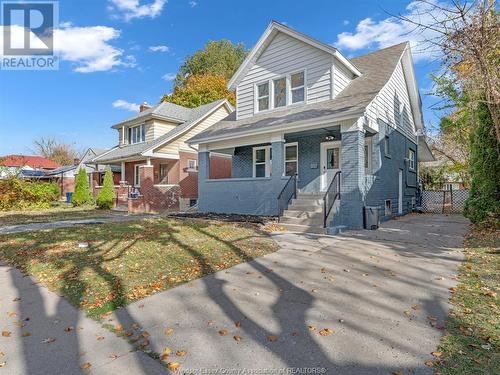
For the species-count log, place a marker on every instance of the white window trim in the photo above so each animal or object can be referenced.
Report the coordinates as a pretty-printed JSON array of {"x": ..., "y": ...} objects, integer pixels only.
[
  {"x": 195, "y": 169},
  {"x": 270, "y": 82},
  {"x": 137, "y": 175},
  {"x": 368, "y": 142},
  {"x": 142, "y": 133},
  {"x": 296, "y": 144},
  {"x": 411, "y": 161},
  {"x": 267, "y": 161}
]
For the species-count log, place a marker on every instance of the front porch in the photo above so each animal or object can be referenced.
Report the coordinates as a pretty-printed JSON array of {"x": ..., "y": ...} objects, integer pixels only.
[{"x": 327, "y": 166}]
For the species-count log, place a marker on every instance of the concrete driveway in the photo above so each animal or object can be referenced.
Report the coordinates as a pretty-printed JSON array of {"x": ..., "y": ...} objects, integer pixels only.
[
  {"x": 384, "y": 294},
  {"x": 379, "y": 297}
]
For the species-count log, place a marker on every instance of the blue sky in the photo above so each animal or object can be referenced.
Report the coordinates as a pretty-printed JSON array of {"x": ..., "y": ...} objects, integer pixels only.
[{"x": 108, "y": 66}]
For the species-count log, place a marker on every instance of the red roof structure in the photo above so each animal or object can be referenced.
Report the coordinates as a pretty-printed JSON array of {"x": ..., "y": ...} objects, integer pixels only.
[{"x": 35, "y": 162}]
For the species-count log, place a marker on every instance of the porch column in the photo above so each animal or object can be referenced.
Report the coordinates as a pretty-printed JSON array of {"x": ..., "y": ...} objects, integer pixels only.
[
  {"x": 352, "y": 178},
  {"x": 278, "y": 147},
  {"x": 203, "y": 176},
  {"x": 122, "y": 172}
]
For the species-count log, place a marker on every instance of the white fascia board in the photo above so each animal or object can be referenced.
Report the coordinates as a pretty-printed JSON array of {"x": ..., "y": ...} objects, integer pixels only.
[
  {"x": 413, "y": 92},
  {"x": 161, "y": 155}
]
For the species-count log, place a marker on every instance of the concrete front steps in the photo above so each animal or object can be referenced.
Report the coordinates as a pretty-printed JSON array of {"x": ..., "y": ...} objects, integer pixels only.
[{"x": 304, "y": 214}]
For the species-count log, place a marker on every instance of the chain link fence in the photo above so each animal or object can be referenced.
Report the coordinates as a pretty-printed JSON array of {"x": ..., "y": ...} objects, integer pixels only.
[{"x": 444, "y": 201}]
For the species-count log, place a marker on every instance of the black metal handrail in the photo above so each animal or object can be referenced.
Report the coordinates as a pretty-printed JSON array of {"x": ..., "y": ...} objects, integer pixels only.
[
  {"x": 288, "y": 192},
  {"x": 331, "y": 195}
]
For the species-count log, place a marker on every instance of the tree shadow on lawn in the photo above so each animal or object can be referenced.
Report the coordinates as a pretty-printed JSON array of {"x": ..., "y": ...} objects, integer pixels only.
[{"x": 64, "y": 355}]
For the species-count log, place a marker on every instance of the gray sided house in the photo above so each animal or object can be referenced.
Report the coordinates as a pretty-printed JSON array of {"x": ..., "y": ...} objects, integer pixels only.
[{"x": 316, "y": 137}]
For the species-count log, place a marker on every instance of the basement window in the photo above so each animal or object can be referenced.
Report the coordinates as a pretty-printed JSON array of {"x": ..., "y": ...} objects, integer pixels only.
[{"x": 388, "y": 207}]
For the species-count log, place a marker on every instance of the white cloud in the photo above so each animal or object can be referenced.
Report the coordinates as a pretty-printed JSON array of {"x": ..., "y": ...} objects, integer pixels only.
[
  {"x": 123, "y": 104},
  {"x": 130, "y": 9},
  {"x": 88, "y": 47},
  {"x": 168, "y": 77},
  {"x": 159, "y": 49},
  {"x": 392, "y": 30},
  {"x": 345, "y": 22},
  {"x": 193, "y": 3}
]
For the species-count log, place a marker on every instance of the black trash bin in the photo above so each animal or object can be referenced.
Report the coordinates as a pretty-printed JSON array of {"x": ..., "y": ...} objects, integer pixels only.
[{"x": 371, "y": 217}]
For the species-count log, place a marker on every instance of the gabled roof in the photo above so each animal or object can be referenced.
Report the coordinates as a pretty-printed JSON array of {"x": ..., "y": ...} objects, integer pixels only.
[
  {"x": 271, "y": 31},
  {"x": 376, "y": 67},
  {"x": 32, "y": 161},
  {"x": 192, "y": 117},
  {"x": 164, "y": 111}
]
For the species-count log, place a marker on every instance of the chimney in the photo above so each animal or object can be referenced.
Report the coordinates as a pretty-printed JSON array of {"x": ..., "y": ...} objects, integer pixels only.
[
  {"x": 144, "y": 106},
  {"x": 76, "y": 161}
]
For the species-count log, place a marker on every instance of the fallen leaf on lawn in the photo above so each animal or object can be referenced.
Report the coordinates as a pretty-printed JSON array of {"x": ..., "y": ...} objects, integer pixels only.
[
  {"x": 314, "y": 290},
  {"x": 2, "y": 354},
  {"x": 326, "y": 332},
  {"x": 416, "y": 307},
  {"x": 311, "y": 328},
  {"x": 477, "y": 361},
  {"x": 166, "y": 352},
  {"x": 237, "y": 324},
  {"x": 210, "y": 322},
  {"x": 2, "y": 364},
  {"x": 48, "y": 340},
  {"x": 272, "y": 338},
  {"x": 129, "y": 333},
  {"x": 113, "y": 356},
  {"x": 408, "y": 312},
  {"x": 223, "y": 332},
  {"x": 135, "y": 326},
  {"x": 437, "y": 354},
  {"x": 100, "y": 338},
  {"x": 26, "y": 334},
  {"x": 145, "y": 334},
  {"x": 69, "y": 329},
  {"x": 169, "y": 331},
  {"x": 429, "y": 364},
  {"x": 11, "y": 314},
  {"x": 237, "y": 338},
  {"x": 119, "y": 328},
  {"x": 453, "y": 290},
  {"x": 6, "y": 333},
  {"x": 173, "y": 365},
  {"x": 86, "y": 365},
  {"x": 181, "y": 353}
]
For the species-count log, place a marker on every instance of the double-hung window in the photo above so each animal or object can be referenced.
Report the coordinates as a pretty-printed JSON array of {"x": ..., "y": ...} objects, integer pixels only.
[
  {"x": 411, "y": 160},
  {"x": 136, "y": 134},
  {"x": 262, "y": 159},
  {"x": 164, "y": 173},
  {"x": 297, "y": 87},
  {"x": 192, "y": 165},
  {"x": 291, "y": 159},
  {"x": 137, "y": 175},
  {"x": 263, "y": 96},
  {"x": 279, "y": 86}
]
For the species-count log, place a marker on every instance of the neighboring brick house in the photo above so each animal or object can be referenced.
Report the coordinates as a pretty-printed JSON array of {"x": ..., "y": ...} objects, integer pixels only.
[
  {"x": 336, "y": 134},
  {"x": 25, "y": 166},
  {"x": 156, "y": 162}
]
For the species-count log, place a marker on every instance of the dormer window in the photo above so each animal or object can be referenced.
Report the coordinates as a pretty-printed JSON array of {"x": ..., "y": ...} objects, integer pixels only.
[
  {"x": 136, "y": 134},
  {"x": 280, "y": 92},
  {"x": 263, "y": 96}
]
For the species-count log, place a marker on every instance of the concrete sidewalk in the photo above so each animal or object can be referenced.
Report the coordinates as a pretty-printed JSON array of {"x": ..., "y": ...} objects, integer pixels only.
[{"x": 384, "y": 294}]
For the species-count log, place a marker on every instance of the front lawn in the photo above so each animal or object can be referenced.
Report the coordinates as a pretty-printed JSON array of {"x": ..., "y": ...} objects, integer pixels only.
[
  {"x": 128, "y": 261},
  {"x": 471, "y": 343},
  {"x": 61, "y": 211}
]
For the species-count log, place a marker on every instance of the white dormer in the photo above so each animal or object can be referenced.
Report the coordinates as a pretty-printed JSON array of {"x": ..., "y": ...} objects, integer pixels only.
[{"x": 287, "y": 68}]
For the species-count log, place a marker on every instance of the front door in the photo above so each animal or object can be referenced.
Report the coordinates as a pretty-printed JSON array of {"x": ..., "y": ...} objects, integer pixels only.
[{"x": 330, "y": 162}]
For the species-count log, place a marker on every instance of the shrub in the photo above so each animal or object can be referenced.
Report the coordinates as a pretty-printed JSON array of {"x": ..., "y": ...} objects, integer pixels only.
[
  {"x": 17, "y": 194},
  {"x": 106, "y": 194},
  {"x": 82, "y": 195},
  {"x": 484, "y": 198}
]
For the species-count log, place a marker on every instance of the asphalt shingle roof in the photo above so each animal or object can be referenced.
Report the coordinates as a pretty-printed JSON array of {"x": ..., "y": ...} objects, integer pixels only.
[
  {"x": 376, "y": 67},
  {"x": 189, "y": 117}
]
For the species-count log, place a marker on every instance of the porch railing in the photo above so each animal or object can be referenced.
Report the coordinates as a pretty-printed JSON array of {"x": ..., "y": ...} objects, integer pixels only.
[
  {"x": 331, "y": 195},
  {"x": 288, "y": 192}
]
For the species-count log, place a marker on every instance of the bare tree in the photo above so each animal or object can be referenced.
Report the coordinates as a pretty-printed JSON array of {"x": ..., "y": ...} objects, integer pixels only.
[
  {"x": 467, "y": 33},
  {"x": 50, "y": 148}
]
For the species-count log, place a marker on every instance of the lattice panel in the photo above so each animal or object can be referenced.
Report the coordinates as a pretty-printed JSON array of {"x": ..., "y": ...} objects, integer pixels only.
[{"x": 444, "y": 201}]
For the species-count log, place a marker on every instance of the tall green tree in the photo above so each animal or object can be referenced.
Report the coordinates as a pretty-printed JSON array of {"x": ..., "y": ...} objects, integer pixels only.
[
  {"x": 106, "y": 195},
  {"x": 82, "y": 195},
  {"x": 218, "y": 58},
  {"x": 484, "y": 197}
]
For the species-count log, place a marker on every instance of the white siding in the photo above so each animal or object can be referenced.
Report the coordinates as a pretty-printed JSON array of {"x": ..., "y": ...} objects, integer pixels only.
[
  {"x": 286, "y": 55},
  {"x": 385, "y": 105},
  {"x": 341, "y": 77}
]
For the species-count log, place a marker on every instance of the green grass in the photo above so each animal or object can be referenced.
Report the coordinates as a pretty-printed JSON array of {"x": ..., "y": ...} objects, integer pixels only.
[
  {"x": 60, "y": 211},
  {"x": 471, "y": 343},
  {"x": 129, "y": 261}
]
